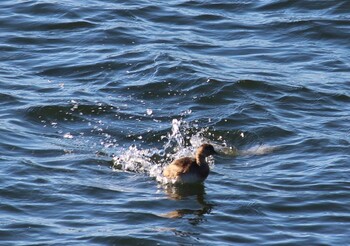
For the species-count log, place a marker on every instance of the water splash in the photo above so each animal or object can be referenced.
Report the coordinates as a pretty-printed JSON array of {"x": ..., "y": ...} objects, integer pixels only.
[{"x": 183, "y": 140}]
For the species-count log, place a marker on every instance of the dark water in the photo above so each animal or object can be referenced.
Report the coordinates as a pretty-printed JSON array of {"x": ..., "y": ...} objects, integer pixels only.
[{"x": 141, "y": 82}]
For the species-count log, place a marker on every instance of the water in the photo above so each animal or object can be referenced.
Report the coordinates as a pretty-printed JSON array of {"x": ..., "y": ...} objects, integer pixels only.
[{"x": 97, "y": 96}]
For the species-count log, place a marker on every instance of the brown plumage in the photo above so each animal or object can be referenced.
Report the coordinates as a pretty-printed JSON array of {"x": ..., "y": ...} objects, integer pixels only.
[{"x": 189, "y": 169}]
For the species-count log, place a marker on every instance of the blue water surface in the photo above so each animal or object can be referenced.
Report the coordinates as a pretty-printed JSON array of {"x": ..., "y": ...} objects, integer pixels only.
[{"x": 98, "y": 96}]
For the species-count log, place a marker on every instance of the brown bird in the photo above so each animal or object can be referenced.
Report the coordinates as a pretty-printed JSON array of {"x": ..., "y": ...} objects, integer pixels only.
[{"x": 189, "y": 169}]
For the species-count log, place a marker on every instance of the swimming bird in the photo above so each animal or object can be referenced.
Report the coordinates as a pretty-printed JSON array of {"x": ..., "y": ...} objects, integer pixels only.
[{"x": 189, "y": 169}]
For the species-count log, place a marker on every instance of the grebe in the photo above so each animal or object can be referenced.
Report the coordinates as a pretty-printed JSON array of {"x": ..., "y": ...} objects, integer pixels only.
[{"x": 189, "y": 169}]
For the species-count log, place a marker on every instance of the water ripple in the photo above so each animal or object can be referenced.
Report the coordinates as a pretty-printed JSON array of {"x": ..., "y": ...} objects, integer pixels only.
[{"x": 97, "y": 98}]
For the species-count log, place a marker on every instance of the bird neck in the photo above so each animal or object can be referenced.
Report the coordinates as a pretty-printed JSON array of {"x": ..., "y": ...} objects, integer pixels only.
[{"x": 200, "y": 159}]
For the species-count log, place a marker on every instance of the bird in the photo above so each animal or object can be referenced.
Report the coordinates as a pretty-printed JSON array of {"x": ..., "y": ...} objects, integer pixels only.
[{"x": 189, "y": 169}]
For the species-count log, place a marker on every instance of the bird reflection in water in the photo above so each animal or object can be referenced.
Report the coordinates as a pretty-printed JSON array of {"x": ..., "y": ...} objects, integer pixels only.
[{"x": 185, "y": 192}]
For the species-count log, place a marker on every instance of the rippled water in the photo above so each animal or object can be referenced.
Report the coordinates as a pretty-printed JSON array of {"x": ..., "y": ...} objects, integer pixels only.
[{"x": 98, "y": 96}]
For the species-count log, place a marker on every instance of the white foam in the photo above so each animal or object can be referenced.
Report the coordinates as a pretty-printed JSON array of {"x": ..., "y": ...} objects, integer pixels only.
[
  {"x": 152, "y": 161},
  {"x": 180, "y": 142},
  {"x": 262, "y": 149}
]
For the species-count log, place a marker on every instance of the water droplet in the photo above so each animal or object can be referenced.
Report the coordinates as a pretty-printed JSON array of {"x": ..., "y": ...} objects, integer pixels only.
[{"x": 68, "y": 135}]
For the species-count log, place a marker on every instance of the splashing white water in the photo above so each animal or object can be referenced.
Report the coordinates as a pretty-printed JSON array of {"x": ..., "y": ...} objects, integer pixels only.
[
  {"x": 180, "y": 142},
  {"x": 152, "y": 161}
]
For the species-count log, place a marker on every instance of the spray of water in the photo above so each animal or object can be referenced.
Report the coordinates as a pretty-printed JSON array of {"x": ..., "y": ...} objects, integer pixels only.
[
  {"x": 181, "y": 141},
  {"x": 152, "y": 161}
]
